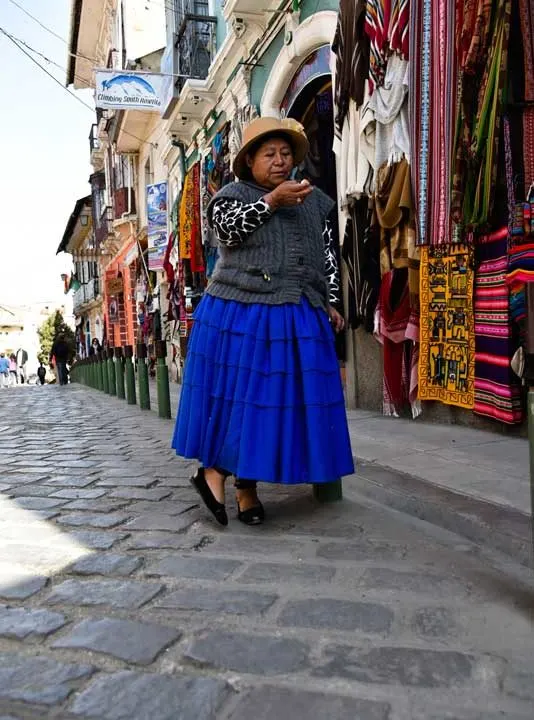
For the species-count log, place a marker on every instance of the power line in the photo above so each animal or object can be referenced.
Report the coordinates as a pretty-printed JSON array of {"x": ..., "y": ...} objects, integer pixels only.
[
  {"x": 49, "y": 30},
  {"x": 15, "y": 43},
  {"x": 40, "y": 54},
  {"x": 89, "y": 107}
]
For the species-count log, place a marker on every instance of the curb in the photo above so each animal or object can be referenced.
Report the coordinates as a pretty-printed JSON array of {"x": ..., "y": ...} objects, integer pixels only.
[{"x": 498, "y": 527}]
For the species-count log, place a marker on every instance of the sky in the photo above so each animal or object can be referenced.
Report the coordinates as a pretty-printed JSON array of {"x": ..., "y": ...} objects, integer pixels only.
[{"x": 44, "y": 154}]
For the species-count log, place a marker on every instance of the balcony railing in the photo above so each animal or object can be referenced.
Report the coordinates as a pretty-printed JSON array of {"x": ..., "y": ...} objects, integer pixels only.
[
  {"x": 104, "y": 226},
  {"x": 195, "y": 42},
  {"x": 88, "y": 292}
]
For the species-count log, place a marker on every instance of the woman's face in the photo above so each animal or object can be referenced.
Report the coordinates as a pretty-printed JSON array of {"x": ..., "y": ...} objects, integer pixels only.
[{"x": 272, "y": 163}]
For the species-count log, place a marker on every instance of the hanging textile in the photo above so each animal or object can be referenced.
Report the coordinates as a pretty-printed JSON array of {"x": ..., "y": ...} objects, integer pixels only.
[
  {"x": 476, "y": 154},
  {"x": 497, "y": 388},
  {"x": 390, "y": 106},
  {"x": 447, "y": 359},
  {"x": 526, "y": 14},
  {"x": 376, "y": 27},
  {"x": 520, "y": 224},
  {"x": 394, "y": 215},
  {"x": 433, "y": 69},
  {"x": 398, "y": 29},
  {"x": 397, "y": 330},
  {"x": 351, "y": 48},
  {"x": 361, "y": 253},
  {"x": 187, "y": 216},
  {"x": 197, "y": 256}
]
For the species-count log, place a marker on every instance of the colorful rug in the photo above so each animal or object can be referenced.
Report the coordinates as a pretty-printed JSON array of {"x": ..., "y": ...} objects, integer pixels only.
[
  {"x": 447, "y": 339},
  {"x": 497, "y": 389}
]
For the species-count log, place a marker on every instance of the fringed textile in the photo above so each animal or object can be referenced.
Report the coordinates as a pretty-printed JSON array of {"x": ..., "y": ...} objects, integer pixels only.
[{"x": 447, "y": 357}]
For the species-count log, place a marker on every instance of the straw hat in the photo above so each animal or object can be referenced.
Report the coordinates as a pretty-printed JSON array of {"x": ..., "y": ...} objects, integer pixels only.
[{"x": 263, "y": 127}]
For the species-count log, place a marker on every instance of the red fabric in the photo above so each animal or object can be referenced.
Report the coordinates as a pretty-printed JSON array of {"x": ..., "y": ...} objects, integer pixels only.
[{"x": 393, "y": 324}]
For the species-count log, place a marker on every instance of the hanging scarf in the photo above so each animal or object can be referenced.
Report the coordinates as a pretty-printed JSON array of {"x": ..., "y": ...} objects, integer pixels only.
[
  {"x": 433, "y": 72},
  {"x": 398, "y": 30},
  {"x": 476, "y": 154},
  {"x": 377, "y": 27},
  {"x": 187, "y": 212},
  {"x": 351, "y": 48},
  {"x": 197, "y": 257},
  {"x": 397, "y": 331}
]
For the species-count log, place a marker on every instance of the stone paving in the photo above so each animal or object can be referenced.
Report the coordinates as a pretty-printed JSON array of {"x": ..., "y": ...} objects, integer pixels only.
[{"x": 121, "y": 600}]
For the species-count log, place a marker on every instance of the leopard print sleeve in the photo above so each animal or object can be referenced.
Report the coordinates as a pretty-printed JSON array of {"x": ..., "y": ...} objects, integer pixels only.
[
  {"x": 233, "y": 221},
  {"x": 331, "y": 266}
]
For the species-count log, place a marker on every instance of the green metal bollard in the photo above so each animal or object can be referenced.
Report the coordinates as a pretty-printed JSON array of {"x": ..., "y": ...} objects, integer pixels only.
[
  {"x": 111, "y": 372},
  {"x": 162, "y": 380},
  {"x": 119, "y": 373},
  {"x": 328, "y": 492},
  {"x": 142, "y": 375},
  {"x": 94, "y": 379},
  {"x": 105, "y": 377},
  {"x": 99, "y": 373},
  {"x": 129, "y": 375}
]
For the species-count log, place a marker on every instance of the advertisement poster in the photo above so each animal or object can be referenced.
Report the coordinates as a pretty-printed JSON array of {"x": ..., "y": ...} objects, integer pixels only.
[
  {"x": 122, "y": 90},
  {"x": 156, "y": 199}
]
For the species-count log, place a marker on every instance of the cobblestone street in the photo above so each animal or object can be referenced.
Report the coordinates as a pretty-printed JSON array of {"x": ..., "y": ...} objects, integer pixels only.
[{"x": 121, "y": 600}]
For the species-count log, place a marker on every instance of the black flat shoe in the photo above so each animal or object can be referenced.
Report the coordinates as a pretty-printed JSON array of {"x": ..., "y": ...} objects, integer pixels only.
[
  {"x": 253, "y": 516},
  {"x": 198, "y": 481}
]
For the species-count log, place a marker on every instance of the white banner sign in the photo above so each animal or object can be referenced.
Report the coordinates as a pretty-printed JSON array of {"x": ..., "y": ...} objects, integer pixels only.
[{"x": 124, "y": 90}]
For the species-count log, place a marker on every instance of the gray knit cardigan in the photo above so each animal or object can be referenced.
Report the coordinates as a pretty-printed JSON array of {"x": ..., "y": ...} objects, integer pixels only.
[{"x": 279, "y": 262}]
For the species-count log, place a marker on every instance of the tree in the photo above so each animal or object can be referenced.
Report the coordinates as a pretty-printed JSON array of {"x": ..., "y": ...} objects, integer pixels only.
[{"x": 52, "y": 327}]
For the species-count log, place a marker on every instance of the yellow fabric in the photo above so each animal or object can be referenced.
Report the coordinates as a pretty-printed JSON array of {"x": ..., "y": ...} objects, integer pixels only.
[
  {"x": 187, "y": 216},
  {"x": 447, "y": 333}
]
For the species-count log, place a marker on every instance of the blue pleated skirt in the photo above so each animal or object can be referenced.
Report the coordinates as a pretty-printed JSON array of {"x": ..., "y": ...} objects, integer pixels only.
[{"x": 262, "y": 395}]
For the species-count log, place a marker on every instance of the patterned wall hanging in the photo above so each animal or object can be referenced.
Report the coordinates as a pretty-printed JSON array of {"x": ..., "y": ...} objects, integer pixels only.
[
  {"x": 447, "y": 357},
  {"x": 497, "y": 388}
]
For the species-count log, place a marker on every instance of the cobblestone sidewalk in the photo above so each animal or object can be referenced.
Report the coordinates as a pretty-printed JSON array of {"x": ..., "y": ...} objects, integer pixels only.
[{"x": 121, "y": 600}]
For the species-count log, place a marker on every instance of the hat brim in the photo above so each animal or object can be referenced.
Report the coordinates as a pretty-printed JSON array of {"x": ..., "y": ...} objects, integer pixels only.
[{"x": 298, "y": 141}]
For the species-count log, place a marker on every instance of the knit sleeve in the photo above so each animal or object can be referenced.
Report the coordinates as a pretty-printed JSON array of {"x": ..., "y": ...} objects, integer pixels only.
[
  {"x": 331, "y": 266},
  {"x": 233, "y": 220}
]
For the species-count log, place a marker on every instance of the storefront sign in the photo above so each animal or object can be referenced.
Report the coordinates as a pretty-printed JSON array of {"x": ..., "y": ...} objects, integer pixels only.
[
  {"x": 315, "y": 65},
  {"x": 114, "y": 286},
  {"x": 123, "y": 90},
  {"x": 156, "y": 200}
]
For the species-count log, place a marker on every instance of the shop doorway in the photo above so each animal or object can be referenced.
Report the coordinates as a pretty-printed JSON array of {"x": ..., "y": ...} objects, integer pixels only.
[{"x": 309, "y": 100}]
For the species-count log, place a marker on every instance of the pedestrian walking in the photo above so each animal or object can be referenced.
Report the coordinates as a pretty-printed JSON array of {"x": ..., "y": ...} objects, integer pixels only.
[
  {"x": 60, "y": 354},
  {"x": 4, "y": 371},
  {"x": 41, "y": 373},
  {"x": 13, "y": 371},
  {"x": 262, "y": 398}
]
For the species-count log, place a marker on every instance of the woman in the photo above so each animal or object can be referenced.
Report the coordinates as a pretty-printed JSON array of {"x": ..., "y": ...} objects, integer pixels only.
[
  {"x": 13, "y": 370},
  {"x": 262, "y": 397}
]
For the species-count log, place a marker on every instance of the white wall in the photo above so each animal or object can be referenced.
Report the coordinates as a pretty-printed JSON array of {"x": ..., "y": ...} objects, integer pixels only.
[{"x": 144, "y": 24}]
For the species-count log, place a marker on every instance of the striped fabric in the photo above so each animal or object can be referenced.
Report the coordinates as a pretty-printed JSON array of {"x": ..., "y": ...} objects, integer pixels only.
[
  {"x": 399, "y": 28},
  {"x": 377, "y": 27},
  {"x": 433, "y": 84},
  {"x": 497, "y": 389},
  {"x": 351, "y": 48}
]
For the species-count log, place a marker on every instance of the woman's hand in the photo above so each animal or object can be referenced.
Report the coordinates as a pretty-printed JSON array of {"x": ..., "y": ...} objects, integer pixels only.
[
  {"x": 288, "y": 194},
  {"x": 338, "y": 323}
]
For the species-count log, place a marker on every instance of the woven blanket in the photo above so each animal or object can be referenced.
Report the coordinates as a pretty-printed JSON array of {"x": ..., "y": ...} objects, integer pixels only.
[
  {"x": 497, "y": 388},
  {"x": 433, "y": 82},
  {"x": 447, "y": 339}
]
